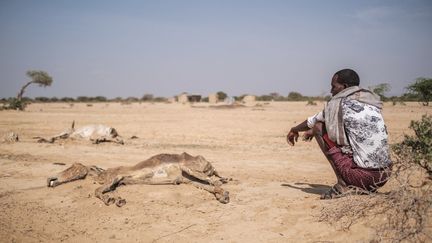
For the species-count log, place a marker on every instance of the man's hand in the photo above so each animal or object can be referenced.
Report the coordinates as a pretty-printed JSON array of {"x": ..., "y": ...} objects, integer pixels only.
[
  {"x": 292, "y": 137},
  {"x": 308, "y": 135},
  {"x": 293, "y": 134}
]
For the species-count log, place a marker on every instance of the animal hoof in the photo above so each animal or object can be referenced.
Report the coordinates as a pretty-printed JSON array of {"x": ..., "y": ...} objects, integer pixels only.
[
  {"x": 108, "y": 200},
  {"x": 177, "y": 181},
  {"x": 52, "y": 182},
  {"x": 120, "y": 202},
  {"x": 224, "y": 180},
  {"x": 224, "y": 198}
]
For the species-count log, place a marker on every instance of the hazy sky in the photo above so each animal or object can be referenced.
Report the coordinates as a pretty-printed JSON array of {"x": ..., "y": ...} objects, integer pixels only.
[{"x": 129, "y": 48}]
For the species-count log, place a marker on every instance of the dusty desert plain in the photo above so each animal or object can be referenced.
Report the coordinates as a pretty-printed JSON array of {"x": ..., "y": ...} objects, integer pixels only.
[{"x": 274, "y": 194}]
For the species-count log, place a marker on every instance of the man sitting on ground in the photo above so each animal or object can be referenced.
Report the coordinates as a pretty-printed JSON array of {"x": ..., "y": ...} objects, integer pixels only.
[{"x": 352, "y": 135}]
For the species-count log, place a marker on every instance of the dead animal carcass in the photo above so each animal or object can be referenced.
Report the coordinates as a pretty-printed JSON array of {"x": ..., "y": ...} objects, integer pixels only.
[
  {"x": 161, "y": 169},
  {"x": 94, "y": 133}
]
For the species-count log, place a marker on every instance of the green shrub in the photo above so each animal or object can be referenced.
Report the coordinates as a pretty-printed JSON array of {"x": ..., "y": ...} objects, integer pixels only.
[
  {"x": 418, "y": 146},
  {"x": 67, "y": 99},
  {"x": 42, "y": 99},
  {"x": 160, "y": 99},
  {"x": 15, "y": 104},
  {"x": 147, "y": 97},
  {"x": 311, "y": 102},
  {"x": 406, "y": 209},
  {"x": 100, "y": 99},
  {"x": 295, "y": 96},
  {"x": 221, "y": 95}
]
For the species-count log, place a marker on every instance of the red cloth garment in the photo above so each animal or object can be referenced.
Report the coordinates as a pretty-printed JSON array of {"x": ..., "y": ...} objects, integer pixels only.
[
  {"x": 367, "y": 179},
  {"x": 328, "y": 141}
]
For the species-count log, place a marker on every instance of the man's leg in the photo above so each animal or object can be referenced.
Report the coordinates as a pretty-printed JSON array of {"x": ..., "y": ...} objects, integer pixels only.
[{"x": 319, "y": 131}]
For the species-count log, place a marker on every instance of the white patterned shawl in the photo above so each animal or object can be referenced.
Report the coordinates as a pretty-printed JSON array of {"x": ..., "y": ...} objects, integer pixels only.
[{"x": 333, "y": 111}]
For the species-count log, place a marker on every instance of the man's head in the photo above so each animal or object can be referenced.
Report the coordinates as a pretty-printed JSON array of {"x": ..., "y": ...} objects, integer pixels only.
[{"x": 343, "y": 79}]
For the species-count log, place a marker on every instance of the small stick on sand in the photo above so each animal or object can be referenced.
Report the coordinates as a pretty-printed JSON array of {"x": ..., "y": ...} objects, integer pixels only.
[{"x": 173, "y": 233}]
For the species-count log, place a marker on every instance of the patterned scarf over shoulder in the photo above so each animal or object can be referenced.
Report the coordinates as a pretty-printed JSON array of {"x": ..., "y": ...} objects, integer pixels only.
[{"x": 333, "y": 111}]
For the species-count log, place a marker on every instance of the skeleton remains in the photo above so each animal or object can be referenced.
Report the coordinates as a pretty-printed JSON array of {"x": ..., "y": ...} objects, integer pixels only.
[
  {"x": 94, "y": 133},
  {"x": 161, "y": 169},
  {"x": 10, "y": 137}
]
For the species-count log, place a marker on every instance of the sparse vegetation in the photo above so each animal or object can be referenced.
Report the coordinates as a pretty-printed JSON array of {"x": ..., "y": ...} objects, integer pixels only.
[
  {"x": 221, "y": 95},
  {"x": 264, "y": 98},
  {"x": 395, "y": 100},
  {"x": 100, "y": 99},
  {"x": 37, "y": 77},
  {"x": 15, "y": 104},
  {"x": 239, "y": 98},
  {"x": 160, "y": 99},
  {"x": 82, "y": 99},
  {"x": 404, "y": 213},
  {"x": 131, "y": 99},
  {"x": 422, "y": 89},
  {"x": 311, "y": 102},
  {"x": 42, "y": 99},
  {"x": 67, "y": 99},
  {"x": 147, "y": 97},
  {"x": 295, "y": 96},
  {"x": 418, "y": 148},
  {"x": 380, "y": 90}
]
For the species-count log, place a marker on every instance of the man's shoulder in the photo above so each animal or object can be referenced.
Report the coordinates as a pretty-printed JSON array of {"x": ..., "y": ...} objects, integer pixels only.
[
  {"x": 352, "y": 107},
  {"x": 353, "y": 104}
]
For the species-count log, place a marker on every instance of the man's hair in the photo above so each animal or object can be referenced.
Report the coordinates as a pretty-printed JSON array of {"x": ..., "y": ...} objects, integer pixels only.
[{"x": 348, "y": 77}]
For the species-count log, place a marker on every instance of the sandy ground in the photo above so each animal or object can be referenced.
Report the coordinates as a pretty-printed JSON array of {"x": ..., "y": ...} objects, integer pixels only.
[{"x": 274, "y": 192}]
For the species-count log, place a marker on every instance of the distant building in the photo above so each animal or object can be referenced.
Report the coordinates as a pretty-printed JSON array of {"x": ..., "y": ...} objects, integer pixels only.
[
  {"x": 185, "y": 98},
  {"x": 194, "y": 98},
  {"x": 229, "y": 100},
  {"x": 213, "y": 98},
  {"x": 182, "y": 98},
  {"x": 249, "y": 98}
]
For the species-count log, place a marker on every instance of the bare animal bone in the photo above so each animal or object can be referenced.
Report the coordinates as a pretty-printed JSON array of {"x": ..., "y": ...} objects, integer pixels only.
[{"x": 10, "y": 137}]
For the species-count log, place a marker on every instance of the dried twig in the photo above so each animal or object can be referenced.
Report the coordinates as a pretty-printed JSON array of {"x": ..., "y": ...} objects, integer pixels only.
[
  {"x": 185, "y": 228},
  {"x": 407, "y": 207}
]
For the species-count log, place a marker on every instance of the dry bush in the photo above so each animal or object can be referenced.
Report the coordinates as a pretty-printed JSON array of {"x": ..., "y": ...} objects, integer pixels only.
[
  {"x": 15, "y": 104},
  {"x": 417, "y": 149},
  {"x": 311, "y": 102},
  {"x": 403, "y": 213}
]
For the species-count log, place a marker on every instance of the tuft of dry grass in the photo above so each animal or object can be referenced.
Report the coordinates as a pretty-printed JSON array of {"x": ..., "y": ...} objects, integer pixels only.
[
  {"x": 404, "y": 212},
  {"x": 401, "y": 214}
]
